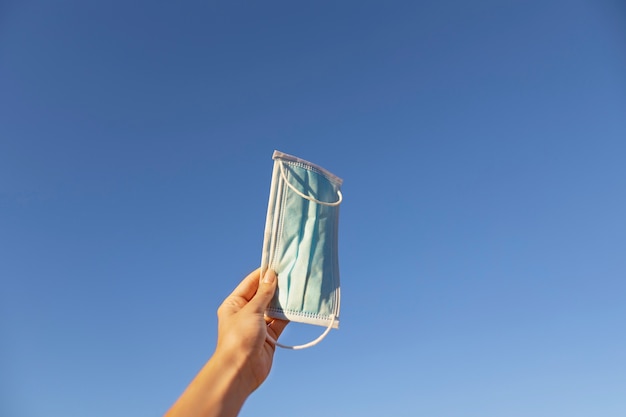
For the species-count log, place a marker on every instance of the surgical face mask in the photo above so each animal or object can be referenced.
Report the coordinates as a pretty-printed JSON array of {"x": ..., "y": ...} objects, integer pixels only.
[{"x": 300, "y": 244}]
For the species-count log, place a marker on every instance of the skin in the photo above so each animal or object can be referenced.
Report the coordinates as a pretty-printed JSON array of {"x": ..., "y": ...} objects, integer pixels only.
[{"x": 243, "y": 357}]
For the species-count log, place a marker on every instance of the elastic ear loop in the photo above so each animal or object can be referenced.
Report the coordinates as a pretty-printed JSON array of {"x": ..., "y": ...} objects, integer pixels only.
[
  {"x": 301, "y": 194},
  {"x": 333, "y": 316}
]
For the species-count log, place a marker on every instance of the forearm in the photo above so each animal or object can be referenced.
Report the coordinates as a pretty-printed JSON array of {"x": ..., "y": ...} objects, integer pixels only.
[
  {"x": 242, "y": 358},
  {"x": 216, "y": 391}
]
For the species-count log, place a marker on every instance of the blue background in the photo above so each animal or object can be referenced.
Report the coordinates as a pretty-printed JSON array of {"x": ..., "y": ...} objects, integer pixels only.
[{"x": 482, "y": 233}]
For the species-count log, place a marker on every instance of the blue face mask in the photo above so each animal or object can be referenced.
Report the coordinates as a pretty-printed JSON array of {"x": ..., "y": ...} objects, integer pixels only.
[{"x": 300, "y": 243}]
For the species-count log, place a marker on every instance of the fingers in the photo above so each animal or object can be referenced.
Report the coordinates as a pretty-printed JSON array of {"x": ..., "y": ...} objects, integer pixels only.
[
  {"x": 240, "y": 295},
  {"x": 247, "y": 288},
  {"x": 276, "y": 327},
  {"x": 264, "y": 292}
]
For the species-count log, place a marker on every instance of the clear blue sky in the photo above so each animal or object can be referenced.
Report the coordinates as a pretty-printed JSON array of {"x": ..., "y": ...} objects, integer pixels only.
[{"x": 482, "y": 234}]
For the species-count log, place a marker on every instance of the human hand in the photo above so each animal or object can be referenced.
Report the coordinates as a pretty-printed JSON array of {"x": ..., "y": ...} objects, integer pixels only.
[
  {"x": 243, "y": 357},
  {"x": 242, "y": 328}
]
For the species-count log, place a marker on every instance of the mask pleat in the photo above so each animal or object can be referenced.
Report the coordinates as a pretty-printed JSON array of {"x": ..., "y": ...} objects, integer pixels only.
[
  {"x": 314, "y": 281},
  {"x": 300, "y": 236}
]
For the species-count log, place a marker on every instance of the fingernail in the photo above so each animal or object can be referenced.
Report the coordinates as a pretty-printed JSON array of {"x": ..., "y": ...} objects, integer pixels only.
[{"x": 269, "y": 277}]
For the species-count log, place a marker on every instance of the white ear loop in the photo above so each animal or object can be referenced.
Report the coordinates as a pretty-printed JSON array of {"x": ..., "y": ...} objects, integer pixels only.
[
  {"x": 333, "y": 318},
  {"x": 301, "y": 194},
  {"x": 306, "y": 345}
]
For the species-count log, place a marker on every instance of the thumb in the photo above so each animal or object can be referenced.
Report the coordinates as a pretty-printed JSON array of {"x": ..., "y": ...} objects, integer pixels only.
[{"x": 264, "y": 293}]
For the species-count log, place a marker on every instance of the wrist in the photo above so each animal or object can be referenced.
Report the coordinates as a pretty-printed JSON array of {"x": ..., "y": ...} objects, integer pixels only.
[{"x": 230, "y": 368}]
